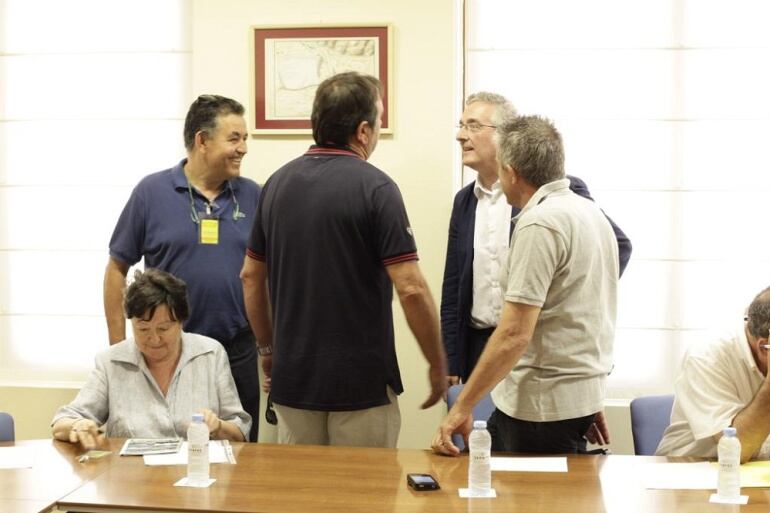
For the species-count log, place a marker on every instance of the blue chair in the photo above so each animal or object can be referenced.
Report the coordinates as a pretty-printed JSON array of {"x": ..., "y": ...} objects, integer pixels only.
[
  {"x": 7, "y": 432},
  {"x": 650, "y": 416},
  {"x": 482, "y": 411}
]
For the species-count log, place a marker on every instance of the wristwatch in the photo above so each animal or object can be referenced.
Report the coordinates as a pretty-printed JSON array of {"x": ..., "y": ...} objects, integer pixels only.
[{"x": 264, "y": 350}]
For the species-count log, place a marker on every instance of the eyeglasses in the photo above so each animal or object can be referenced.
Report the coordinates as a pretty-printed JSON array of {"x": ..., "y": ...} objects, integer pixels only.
[{"x": 473, "y": 127}]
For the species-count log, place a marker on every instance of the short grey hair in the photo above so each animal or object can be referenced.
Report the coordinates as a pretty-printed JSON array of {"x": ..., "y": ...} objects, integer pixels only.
[
  {"x": 505, "y": 112},
  {"x": 533, "y": 147},
  {"x": 758, "y": 316}
]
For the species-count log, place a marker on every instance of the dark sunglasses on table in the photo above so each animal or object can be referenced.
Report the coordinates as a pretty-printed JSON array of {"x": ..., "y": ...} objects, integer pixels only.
[{"x": 270, "y": 415}]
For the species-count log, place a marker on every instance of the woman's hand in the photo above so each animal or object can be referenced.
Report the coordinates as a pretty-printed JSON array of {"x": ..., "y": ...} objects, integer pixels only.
[
  {"x": 213, "y": 422},
  {"x": 221, "y": 429},
  {"x": 85, "y": 432}
]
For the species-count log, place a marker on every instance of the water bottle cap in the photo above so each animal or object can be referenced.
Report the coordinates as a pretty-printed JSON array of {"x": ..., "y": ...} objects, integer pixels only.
[
  {"x": 730, "y": 431},
  {"x": 479, "y": 424},
  {"x": 197, "y": 417}
]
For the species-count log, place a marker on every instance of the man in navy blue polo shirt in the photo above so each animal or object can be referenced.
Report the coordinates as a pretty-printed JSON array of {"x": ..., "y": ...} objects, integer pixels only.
[
  {"x": 193, "y": 221},
  {"x": 330, "y": 239}
]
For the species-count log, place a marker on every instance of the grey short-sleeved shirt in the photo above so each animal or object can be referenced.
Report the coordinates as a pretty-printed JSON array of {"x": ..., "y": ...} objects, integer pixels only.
[
  {"x": 563, "y": 258},
  {"x": 122, "y": 394}
]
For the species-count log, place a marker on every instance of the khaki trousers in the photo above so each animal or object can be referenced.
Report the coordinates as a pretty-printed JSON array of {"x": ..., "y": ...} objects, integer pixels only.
[{"x": 371, "y": 427}]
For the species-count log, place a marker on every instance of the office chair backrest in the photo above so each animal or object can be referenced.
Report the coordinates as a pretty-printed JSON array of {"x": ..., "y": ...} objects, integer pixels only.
[
  {"x": 7, "y": 432},
  {"x": 482, "y": 411},
  {"x": 650, "y": 416}
]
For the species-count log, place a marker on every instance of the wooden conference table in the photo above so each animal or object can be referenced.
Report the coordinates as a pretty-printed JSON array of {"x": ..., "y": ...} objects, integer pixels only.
[{"x": 273, "y": 478}]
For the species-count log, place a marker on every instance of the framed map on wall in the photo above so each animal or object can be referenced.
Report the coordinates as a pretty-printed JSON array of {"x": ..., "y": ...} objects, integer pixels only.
[{"x": 289, "y": 62}]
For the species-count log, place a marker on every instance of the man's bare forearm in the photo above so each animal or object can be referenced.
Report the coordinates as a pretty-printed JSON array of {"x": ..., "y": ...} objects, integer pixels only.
[
  {"x": 420, "y": 311},
  {"x": 503, "y": 350},
  {"x": 257, "y": 301},
  {"x": 422, "y": 317},
  {"x": 114, "y": 286},
  {"x": 753, "y": 422}
]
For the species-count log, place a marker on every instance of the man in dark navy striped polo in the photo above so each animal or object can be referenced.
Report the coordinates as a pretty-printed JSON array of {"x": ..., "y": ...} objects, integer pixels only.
[{"x": 330, "y": 238}]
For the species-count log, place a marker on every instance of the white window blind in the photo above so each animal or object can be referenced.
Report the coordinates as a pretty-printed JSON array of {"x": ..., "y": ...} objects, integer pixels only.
[
  {"x": 664, "y": 110},
  {"x": 92, "y": 97}
]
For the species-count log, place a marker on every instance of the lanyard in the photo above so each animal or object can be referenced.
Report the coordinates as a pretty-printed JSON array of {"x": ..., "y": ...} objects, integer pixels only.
[{"x": 194, "y": 213}]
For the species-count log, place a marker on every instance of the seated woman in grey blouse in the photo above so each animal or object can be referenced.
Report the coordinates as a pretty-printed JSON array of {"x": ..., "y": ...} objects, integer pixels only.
[{"x": 149, "y": 386}]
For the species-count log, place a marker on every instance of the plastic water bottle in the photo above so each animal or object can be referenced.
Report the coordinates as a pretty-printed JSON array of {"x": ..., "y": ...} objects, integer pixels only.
[
  {"x": 479, "y": 464},
  {"x": 197, "y": 450},
  {"x": 729, "y": 450}
]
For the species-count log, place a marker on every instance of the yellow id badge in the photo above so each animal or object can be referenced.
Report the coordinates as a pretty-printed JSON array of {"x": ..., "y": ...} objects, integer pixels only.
[{"x": 209, "y": 231}]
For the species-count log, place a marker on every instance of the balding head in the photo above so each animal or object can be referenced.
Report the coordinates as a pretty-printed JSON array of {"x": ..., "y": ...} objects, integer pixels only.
[{"x": 758, "y": 322}]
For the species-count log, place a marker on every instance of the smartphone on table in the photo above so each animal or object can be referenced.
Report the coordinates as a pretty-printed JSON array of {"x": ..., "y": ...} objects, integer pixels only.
[{"x": 422, "y": 482}]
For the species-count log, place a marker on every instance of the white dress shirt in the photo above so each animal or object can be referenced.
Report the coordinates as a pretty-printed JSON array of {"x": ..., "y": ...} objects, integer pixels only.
[
  {"x": 716, "y": 381},
  {"x": 490, "y": 246}
]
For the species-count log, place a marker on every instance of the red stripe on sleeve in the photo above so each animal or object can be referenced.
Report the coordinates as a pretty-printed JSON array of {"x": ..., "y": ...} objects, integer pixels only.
[
  {"x": 254, "y": 255},
  {"x": 400, "y": 258}
]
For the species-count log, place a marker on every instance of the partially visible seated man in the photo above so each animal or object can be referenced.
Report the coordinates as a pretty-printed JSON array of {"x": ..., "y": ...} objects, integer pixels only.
[
  {"x": 150, "y": 385},
  {"x": 724, "y": 383}
]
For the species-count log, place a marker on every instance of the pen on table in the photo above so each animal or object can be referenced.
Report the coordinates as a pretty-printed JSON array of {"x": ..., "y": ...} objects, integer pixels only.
[{"x": 83, "y": 458}]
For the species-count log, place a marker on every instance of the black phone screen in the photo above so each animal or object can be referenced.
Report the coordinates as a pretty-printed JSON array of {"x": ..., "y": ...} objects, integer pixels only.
[{"x": 422, "y": 482}]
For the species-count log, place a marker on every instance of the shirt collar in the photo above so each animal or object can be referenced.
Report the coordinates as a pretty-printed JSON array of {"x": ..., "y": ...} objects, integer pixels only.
[
  {"x": 316, "y": 150},
  {"x": 494, "y": 192},
  {"x": 128, "y": 352},
  {"x": 178, "y": 177},
  {"x": 179, "y": 180},
  {"x": 543, "y": 192}
]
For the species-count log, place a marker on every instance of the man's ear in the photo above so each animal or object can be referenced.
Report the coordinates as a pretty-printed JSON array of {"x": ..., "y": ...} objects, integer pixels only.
[
  {"x": 200, "y": 139},
  {"x": 362, "y": 134},
  {"x": 509, "y": 173}
]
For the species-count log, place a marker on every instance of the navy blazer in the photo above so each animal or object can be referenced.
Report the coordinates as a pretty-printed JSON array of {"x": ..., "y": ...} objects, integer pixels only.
[{"x": 457, "y": 289}]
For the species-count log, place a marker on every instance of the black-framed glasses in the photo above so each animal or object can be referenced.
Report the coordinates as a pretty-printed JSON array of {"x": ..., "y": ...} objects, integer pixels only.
[{"x": 473, "y": 126}]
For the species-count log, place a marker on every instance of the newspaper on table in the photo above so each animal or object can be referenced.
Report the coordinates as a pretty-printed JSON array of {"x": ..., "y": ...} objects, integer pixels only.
[
  {"x": 220, "y": 451},
  {"x": 142, "y": 446}
]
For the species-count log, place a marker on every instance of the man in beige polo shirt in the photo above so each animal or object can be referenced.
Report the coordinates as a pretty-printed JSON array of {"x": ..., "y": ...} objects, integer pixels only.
[{"x": 549, "y": 356}]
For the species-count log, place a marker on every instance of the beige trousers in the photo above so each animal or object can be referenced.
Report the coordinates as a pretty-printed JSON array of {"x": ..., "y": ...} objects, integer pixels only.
[{"x": 371, "y": 427}]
